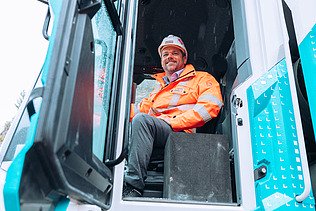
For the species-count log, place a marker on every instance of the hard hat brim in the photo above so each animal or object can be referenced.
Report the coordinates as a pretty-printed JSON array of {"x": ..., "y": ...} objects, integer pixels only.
[{"x": 172, "y": 45}]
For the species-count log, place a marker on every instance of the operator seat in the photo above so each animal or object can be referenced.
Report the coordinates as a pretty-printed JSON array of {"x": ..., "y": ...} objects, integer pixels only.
[{"x": 155, "y": 171}]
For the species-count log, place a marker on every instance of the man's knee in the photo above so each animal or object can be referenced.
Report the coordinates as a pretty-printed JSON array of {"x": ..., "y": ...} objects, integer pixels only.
[{"x": 140, "y": 119}]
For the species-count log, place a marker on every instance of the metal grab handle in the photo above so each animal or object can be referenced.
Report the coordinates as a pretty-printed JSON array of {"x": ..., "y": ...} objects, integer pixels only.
[
  {"x": 303, "y": 157},
  {"x": 301, "y": 142},
  {"x": 46, "y": 24},
  {"x": 307, "y": 179}
]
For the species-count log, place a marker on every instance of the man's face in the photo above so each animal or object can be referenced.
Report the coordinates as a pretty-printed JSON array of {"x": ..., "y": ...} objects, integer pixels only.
[{"x": 172, "y": 59}]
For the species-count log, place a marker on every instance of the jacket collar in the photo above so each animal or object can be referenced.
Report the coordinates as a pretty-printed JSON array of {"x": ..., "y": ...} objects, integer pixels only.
[{"x": 188, "y": 71}]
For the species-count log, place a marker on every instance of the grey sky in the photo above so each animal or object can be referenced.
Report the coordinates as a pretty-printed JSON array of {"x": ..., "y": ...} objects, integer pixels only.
[{"x": 23, "y": 51}]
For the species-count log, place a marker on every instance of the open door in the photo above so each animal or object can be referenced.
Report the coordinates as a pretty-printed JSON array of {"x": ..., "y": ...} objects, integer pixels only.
[{"x": 71, "y": 135}]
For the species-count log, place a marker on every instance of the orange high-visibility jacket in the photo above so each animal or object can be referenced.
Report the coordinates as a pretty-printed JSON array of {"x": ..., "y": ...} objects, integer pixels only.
[{"x": 190, "y": 101}]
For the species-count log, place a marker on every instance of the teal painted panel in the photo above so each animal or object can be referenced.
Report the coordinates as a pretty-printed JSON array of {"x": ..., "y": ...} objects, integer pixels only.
[
  {"x": 275, "y": 143},
  {"x": 62, "y": 205},
  {"x": 307, "y": 51}
]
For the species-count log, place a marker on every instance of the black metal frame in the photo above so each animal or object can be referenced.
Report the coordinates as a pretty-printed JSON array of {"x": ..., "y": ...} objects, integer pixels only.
[{"x": 61, "y": 163}]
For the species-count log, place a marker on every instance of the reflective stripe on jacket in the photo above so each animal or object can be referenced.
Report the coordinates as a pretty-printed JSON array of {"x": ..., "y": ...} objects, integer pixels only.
[{"x": 190, "y": 101}]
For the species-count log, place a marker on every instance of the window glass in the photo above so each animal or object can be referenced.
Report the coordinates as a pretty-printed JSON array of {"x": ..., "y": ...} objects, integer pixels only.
[
  {"x": 19, "y": 137},
  {"x": 144, "y": 89},
  {"x": 105, "y": 43}
]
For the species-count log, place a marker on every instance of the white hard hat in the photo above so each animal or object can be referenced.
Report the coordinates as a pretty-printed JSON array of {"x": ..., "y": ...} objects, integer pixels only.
[{"x": 175, "y": 41}]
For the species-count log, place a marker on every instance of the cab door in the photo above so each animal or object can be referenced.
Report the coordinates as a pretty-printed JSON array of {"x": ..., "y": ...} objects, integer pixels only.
[
  {"x": 303, "y": 21},
  {"x": 266, "y": 119},
  {"x": 72, "y": 133}
]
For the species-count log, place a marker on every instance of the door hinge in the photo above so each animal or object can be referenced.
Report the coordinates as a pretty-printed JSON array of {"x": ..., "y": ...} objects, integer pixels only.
[{"x": 237, "y": 102}]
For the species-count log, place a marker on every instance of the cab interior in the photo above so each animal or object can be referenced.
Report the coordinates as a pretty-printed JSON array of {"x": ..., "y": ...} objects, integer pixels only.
[{"x": 206, "y": 28}]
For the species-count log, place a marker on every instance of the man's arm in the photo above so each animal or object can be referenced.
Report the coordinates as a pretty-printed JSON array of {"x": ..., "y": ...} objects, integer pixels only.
[
  {"x": 142, "y": 107},
  {"x": 207, "y": 107}
]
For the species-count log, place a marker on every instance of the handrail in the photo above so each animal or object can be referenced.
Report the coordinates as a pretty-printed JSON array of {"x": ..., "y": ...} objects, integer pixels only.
[
  {"x": 46, "y": 24},
  {"x": 115, "y": 19},
  {"x": 301, "y": 142},
  {"x": 303, "y": 157},
  {"x": 307, "y": 179}
]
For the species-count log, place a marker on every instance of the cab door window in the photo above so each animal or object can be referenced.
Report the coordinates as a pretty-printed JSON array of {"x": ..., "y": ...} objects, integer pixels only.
[{"x": 105, "y": 44}]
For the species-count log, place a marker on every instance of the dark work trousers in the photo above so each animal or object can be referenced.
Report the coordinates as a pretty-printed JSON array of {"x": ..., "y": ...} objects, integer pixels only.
[{"x": 148, "y": 133}]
